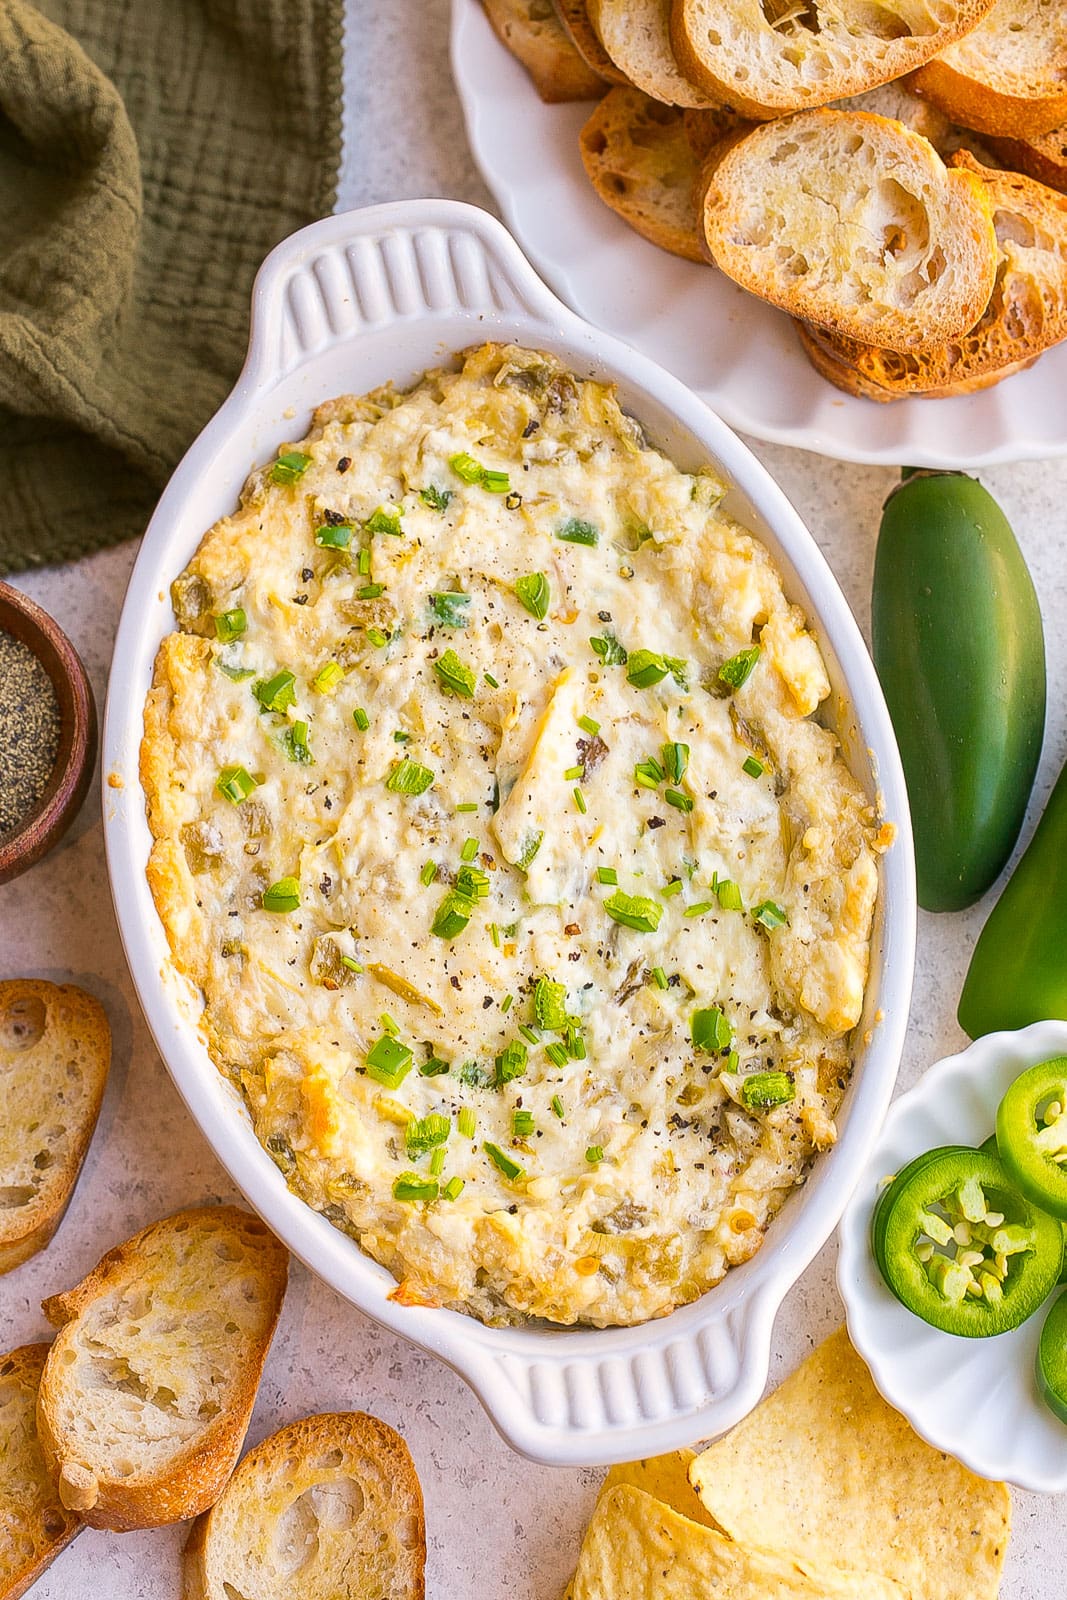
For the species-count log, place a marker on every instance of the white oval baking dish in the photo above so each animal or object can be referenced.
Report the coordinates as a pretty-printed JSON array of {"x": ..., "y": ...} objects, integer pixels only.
[{"x": 341, "y": 306}]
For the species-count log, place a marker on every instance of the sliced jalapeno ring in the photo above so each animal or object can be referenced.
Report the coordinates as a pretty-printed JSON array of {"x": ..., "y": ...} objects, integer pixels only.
[
  {"x": 1052, "y": 1359},
  {"x": 1032, "y": 1134},
  {"x": 881, "y": 1208},
  {"x": 963, "y": 1250},
  {"x": 989, "y": 1147}
]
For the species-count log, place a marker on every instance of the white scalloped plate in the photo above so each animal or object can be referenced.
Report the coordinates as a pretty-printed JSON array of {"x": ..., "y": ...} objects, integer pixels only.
[
  {"x": 346, "y": 304},
  {"x": 975, "y": 1398},
  {"x": 737, "y": 353}
]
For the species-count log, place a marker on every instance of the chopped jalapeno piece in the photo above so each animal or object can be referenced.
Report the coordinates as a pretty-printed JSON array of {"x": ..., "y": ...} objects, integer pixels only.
[
  {"x": 454, "y": 676},
  {"x": 634, "y": 911},
  {"x": 769, "y": 915},
  {"x": 229, "y": 625},
  {"x": 575, "y": 531},
  {"x": 450, "y": 609},
  {"x": 412, "y": 1187},
  {"x": 277, "y": 693},
  {"x": 235, "y": 784},
  {"x": 452, "y": 916},
  {"x": 282, "y": 896},
  {"x": 710, "y": 1029},
  {"x": 388, "y": 1061},
  {"x": 408, "y": 777},
  {"x": 385, "y": 520},
  {"x": 738, "y": 669},
  {"x": 762, "y": 1091},
  {"x": 334, "y": 535},
  {"x": 289, "y": 467},
  {"x": 534, "y": 593}
]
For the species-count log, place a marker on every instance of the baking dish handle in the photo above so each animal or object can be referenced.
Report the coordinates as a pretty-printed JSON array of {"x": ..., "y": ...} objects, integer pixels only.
[
  {"x": 363, "y": 272},
  {"x": 652, "y": 1392}
]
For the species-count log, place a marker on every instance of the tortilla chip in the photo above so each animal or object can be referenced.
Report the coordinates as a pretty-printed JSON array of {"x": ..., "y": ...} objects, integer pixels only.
[
  {"x": 825, "y": 1471},
  {"x": 665, "y": 1478},
  {"x": 636, "y": 1548}
]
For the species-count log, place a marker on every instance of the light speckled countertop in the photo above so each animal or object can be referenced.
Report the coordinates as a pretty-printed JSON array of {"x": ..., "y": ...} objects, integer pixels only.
[{"x": 497, "y": 1525}]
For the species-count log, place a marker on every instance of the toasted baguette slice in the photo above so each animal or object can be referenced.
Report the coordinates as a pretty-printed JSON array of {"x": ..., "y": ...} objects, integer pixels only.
[
  {"x": 767, "y": 57},
  {"x": 850, "y": 221},
  {"x": 640, "y": 163},
  {"x": 55, "y": 1050},
  {"x": 1009, "y": 76},
  {"x": 900, "y": 104},
  {"x": 34, "y": 1527},
  {"x": 148, "y": 1389},
  {"x": 706, "y": 130},
  {"x": 818, "y": 346},
  {"x": 1026, "y": 314},
  {"x": 533, "y": 33},
  {"x": 329, "y": 1508},
  {"x": 1043, "y": 157},
  {"x": 636, "y": 35},
  {"x": 574, "y": 15}
]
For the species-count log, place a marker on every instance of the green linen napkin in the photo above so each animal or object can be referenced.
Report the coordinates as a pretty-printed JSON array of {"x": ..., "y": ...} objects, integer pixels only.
[{"x": 151, "y": 153}]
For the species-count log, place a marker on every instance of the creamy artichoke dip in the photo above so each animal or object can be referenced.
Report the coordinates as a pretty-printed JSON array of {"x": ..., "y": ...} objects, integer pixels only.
[{"x": 529, "y": 902}]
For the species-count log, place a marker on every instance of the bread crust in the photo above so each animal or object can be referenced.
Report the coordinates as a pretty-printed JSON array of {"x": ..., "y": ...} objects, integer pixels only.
[
  {"x": 1026, "y": 315},
  {"x": 558, "y": 72},
  {"x": 344, "y": 1434},
  {"x": 857, "y": 69},
  {"x": 574, "y": 15},
  {"x": 1043, "y": 157},
  {"x": 987, "y": 110},
  {"x": 69, "y": 1025},
  {"x": 749, "y": 223},
  {"x": 193, "y": 1476},
  {"x": 49, "y": 1527}
]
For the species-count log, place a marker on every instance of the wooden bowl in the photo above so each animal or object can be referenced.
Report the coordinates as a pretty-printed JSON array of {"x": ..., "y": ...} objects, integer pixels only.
[{"x": 67, "y": 787}]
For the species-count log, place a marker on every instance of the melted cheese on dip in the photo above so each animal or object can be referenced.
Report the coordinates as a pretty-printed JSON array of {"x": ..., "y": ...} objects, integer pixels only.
[{"x": 595, "y": 1164}]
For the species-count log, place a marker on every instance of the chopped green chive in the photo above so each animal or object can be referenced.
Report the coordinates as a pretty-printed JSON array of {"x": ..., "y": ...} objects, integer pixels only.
[
  {"x": 575, "y": 1044},
  {"x": 428, "y": 873},
  {"x": 413, "y": 1188},
  {"x": 400, "y": 737},
  {"x": 770, "y": 915},
  {"x": 465, "y": 467},
  {"x": 737, "y": 670},
  {"x": 453, "y": 1189},
  {"x": 573, "y": 772},
  {"x": 328, "y": 677},
  {"x": 494, "y": 683},
  {"x": 522, "y": 1124},
  {"x": 385, "y": 520},
  {"x": 649, "y": 774},
  {"x": 675, "y": 760},
  {"x": 680, "y": 801},
  {"x": 575, "y": 531},
  {"x": 438, "y": 1158},
  {"x": 454, "y": 676},
  {"x": 388, "y": 1061},
  {"x": 282, "y": 896},
  {"x": 229, "y": 625},
  {"x": 700, "y": 908},
  {"x": 557, "y": 1107},
  {"x": 389, "y": 1023},
  {"x": 729, "y": 894},
  {"x": 351, "y": 963},
  {"x": 595, "y": 1154},
  {"x": 237, "y": 674},
  {"x": 495, "y": 482},
  {"x": 494, "y": 934},
  {"x": 588, "y": 726},
  {"x": 579, "y": 800},
  {"x": 669, "y": 890},
  {"x": 534, "y": 593},
  {"x": 408, "y": 777},
  {"x": 528, "y": 1033},
  {"x": 277, "y": 693},
  {"x": 334, "y": 535},
  {"x": 753, "y": 767},
  {"x": 608, "y": 648},
  {"x": 511, "y": 1063},
  {"x": 370, "y": 591},
  {"x": 509, "y": 999},
  {"x": 646, "y": 668},
  {"x": 469, "y": 851},
  {"x": 472, "y": 883},
  {"x": 295, "y": 743},
  {"x": 377, "y": 638},
  {"x": 762, "y": 1091},
  {"x": 607, "y": 875},
  {"x": 710, "y": 1029},
  {"x": 424, "y": 1133},
  {"x": 450, "y": 609},
  {"x": 511, "y": 1170},
  {"x": 363, "y": 563},
  {"x": 289, "y": 467},
  {"x": 452, "y": 915},
  {"x": 557, "y": 1054},
  {"x": 660, "y": 977},
  {"x": 235, "y": 784},
  {"x": 550, "y": 1004},
  {"x": 361, "y": 719},
  {"x": 435, "y": 1067},
  {"x": 530, "y": 848},
  {"x": 468, "y": 805},
  {"x": 436, "y": 499},
  {"x": 467, "y": 1123},
  {"x": 634, "y": 911}
]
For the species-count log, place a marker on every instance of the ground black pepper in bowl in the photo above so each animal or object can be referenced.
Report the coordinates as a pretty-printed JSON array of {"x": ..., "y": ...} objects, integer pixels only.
[{"x": 29, "y": 732}]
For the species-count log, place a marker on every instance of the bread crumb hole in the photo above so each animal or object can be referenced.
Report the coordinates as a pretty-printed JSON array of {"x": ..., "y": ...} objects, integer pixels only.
[
  {"x": 327, "y": 1463},
  {"x": 13, "y": 1195},
  {"x": 22, "y": 1023}
]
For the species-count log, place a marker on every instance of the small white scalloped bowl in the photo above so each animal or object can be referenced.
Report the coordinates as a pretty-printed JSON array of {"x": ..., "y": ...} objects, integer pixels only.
[
  {"x": 976, "y": 1399},
  {"x": 346, "y": 304}
]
